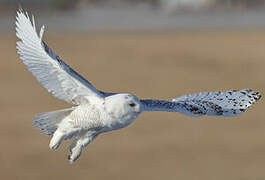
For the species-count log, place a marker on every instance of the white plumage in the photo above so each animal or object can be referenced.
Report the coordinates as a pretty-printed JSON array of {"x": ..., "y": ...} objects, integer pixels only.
[
  {"x": 49, "y": 70},
  {"x": 98, "y": 111}
]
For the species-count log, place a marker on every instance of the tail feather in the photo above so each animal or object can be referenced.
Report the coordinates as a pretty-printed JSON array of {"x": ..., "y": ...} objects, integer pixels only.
[{"x": 48, "y": 122}]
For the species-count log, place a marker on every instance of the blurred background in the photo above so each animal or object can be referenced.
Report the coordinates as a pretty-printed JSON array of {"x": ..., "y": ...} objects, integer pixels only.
[{"x": 153, "y": 49}]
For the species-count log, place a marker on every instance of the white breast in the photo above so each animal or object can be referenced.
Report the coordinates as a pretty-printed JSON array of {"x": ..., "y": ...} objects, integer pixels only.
[
  {"x": 95, "y": 117},
  {"x": 88, "y": 117}
]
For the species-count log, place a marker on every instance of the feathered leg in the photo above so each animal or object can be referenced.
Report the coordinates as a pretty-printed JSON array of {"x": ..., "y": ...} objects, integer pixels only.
[
  {"x": 56, "y": 140},
  {"x": 76, "y": 147},
  {"x": 66, "y": 130}
]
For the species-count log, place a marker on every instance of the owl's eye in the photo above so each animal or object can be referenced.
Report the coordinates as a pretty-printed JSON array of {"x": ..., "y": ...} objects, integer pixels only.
[{"x": 132, "y": 104}]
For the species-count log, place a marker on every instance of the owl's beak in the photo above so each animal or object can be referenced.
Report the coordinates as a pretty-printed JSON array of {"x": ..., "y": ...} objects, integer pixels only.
[{"x": 138, "y": 108}]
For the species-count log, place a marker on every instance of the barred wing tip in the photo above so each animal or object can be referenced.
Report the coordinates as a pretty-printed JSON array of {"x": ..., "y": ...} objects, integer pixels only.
[{"x": 227, "y": 103}]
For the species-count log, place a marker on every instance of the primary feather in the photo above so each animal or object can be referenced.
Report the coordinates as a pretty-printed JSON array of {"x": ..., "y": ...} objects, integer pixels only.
[
  {"x": 54, "y": 74},
  {"x": 227, "y": 103}
]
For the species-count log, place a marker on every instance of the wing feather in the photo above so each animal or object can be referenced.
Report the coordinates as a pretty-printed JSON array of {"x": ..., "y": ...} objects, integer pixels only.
[
  {"x": 54, "y": 74},
  {"x": 227, "y": 103}
]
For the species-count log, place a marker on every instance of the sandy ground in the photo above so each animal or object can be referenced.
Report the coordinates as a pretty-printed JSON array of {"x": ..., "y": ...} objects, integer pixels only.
[{"x": 157, "y": 145}]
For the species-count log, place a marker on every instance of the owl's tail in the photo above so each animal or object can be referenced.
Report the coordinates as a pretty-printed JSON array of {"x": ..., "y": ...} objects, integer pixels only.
[{"x": 48, "y": 122}]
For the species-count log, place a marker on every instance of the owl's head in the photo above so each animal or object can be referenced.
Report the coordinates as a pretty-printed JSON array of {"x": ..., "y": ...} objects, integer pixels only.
[{"x": 123, "y": 106}]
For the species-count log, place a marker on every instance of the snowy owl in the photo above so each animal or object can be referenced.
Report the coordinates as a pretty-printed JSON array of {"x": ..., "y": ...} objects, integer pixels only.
[{"x": 96, "y": 111}]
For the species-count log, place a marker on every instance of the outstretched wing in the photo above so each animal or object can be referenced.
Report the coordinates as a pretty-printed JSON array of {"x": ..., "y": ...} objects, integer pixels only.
[
  {"x": 227, "y": 103},
  {"x": 54, "y": 74}
]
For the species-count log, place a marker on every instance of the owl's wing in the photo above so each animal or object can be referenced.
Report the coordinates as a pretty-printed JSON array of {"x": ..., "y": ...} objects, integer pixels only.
[
  {"x": 227, "y": 103},
  {"x": 53, "y": 73}
]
